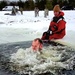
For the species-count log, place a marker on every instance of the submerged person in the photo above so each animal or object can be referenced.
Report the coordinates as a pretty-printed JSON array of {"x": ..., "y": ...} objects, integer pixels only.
[
  {"x": 57, "y": 26},
  {"x": 37, "y": 44}
]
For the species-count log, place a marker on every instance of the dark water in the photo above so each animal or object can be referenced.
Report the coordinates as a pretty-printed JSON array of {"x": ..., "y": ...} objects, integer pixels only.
[{"x": 7, "y": 49}]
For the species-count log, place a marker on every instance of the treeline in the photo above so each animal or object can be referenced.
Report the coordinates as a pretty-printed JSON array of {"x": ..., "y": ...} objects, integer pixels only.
[{"x": 41, "y": 4}]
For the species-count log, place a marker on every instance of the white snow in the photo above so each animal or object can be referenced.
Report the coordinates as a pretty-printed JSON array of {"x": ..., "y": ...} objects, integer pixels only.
[{"x": 28, "y": 27}]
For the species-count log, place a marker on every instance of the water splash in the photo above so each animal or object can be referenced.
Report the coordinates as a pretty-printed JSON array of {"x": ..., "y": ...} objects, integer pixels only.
[
  {"x": 18, "y": 58},
  {"x": 48, "y": 60}
]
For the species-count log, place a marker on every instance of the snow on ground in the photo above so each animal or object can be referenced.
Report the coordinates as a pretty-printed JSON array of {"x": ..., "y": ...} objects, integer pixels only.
[{"x": 26, "y": 27}]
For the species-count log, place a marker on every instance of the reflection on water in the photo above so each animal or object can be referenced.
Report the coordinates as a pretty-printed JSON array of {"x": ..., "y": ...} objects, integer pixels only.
[{"x": 20, "y": 58}]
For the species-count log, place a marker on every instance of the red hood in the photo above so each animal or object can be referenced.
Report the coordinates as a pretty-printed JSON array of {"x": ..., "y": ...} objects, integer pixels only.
[{"x": 61, "y": 13}]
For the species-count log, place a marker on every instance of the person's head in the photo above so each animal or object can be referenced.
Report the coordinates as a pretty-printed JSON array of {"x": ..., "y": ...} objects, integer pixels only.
[
  {"x": 37, "y": 44},
  {"x": 56, "y": 10}
]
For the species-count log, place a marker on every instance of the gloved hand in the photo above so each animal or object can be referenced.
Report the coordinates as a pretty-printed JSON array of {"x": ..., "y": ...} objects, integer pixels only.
[
  {"x": 55, "y": 19},
  {"x": 49, "y": 32}
]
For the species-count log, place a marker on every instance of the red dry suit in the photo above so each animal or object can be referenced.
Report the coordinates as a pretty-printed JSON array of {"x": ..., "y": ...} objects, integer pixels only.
[{"x": 56, "y": 29}]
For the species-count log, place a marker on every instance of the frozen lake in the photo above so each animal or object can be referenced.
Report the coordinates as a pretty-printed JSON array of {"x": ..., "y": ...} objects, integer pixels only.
[{"x": 18, "y": 31}]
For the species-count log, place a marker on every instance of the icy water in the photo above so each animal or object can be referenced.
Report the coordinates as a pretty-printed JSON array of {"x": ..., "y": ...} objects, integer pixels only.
[
  {"x": 5, "y": 51},
  {"x": 56, "y": 59}
]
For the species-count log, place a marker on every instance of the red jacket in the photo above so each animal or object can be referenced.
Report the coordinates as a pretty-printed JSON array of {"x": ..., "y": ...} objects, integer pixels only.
[{"x": 57, "y": 27}]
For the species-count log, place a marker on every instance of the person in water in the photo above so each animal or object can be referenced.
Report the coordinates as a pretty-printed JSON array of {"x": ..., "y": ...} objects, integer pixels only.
[{"x": 37, "y": 44}]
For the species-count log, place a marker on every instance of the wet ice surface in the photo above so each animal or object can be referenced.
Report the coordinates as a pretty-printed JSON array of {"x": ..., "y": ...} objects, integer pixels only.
[
  {"x": 8, "y": 35},
  {"x": 55, "y": 51}
]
